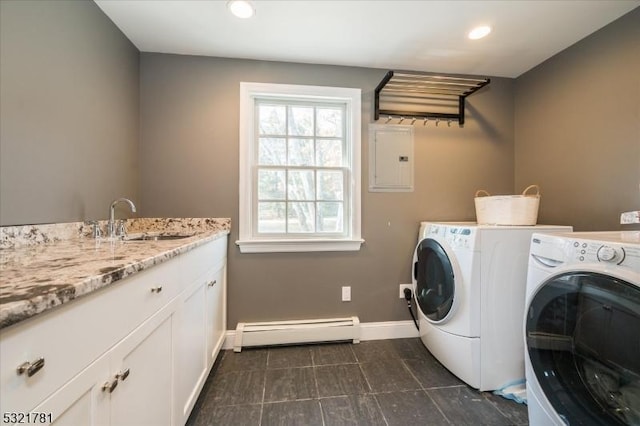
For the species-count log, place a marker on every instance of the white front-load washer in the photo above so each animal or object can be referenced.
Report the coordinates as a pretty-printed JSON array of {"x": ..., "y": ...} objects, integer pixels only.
[
  {"x": 582, "y": 329},
  {"x": 469, "y": 285}
]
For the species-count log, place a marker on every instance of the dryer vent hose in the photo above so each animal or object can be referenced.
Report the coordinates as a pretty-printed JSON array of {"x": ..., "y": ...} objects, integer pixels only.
[{"x": 407, "y": 296}]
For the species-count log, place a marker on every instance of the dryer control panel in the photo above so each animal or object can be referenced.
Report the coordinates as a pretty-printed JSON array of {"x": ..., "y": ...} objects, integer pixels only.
[
  {"x": 608, "y": 249},
  {"x": 605, "y": 252}
]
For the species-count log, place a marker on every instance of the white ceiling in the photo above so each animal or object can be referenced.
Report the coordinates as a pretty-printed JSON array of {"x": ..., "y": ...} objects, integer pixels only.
[{"x": 401, "y": 35}]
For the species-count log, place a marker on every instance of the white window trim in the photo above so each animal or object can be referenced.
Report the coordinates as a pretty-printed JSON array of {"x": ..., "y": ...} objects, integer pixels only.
[{"x": 247, "y": 242}]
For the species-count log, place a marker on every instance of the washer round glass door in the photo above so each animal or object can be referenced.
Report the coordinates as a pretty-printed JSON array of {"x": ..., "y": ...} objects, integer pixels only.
[
  {"x": 583, "y": 340},
  {"x": 435, "y": 284}
]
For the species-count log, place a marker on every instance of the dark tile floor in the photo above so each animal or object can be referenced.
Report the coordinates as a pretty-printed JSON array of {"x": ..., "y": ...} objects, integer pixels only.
[{"x": 380, "y": 382}]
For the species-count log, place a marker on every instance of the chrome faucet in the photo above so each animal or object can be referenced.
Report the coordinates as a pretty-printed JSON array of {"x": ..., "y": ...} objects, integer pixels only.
[{"x": 111, "y": 224}]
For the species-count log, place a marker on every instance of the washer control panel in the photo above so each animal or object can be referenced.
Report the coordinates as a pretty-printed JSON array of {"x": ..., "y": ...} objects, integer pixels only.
[
  {"x": 456, "y": 236},
  {"x": 460, "y": 237},
  {"x": 610, "y": 254},
  {"x": 589, "y": 251}
]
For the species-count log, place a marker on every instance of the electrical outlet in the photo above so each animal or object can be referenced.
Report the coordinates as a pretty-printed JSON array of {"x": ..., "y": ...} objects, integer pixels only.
[
  {"x": 630, "y": 217},
  {"x": 402, "y": 287},
  {"x": 346, "y": 293}
]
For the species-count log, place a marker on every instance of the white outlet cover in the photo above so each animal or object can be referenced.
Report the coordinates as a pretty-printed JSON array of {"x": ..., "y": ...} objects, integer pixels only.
[
  {"x": 630, "y": 217},
  {"x": 402, "y": 287},
  {"x": 346, "y": 294}
]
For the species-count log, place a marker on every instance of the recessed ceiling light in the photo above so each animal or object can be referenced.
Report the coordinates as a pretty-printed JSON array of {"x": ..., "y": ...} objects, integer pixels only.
[
  {"x": 241, "y": 8},
  {"x": 479, "y": 32}
]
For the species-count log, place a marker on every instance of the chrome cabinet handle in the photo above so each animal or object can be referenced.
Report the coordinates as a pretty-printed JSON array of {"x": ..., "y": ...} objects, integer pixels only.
[
  {"x": 212, "y": 283},
  {"x": 110, "y": 386},
  {"x": 156, "y": 289},
  {"x": 31, "y": 368},
  {"x": 123, "y": 375}
]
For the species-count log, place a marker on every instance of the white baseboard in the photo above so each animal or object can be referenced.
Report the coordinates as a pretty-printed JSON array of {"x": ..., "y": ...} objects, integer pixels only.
[
  {"x": 388, "y": 330},
  {"x": 368, "y": 331}
]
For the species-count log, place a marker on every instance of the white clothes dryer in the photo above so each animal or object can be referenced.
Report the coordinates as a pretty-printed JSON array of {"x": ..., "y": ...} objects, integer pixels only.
[
  {"x": 582, "y": 329},
  {"x": 469, "y": 285}
]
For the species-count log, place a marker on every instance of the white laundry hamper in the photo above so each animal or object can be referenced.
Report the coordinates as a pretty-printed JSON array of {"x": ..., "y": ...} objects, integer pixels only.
[{"x": 508, "y": 209}]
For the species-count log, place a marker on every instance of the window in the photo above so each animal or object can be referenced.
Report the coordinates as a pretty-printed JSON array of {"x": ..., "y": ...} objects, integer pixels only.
[{"x": 299, "y": 168}]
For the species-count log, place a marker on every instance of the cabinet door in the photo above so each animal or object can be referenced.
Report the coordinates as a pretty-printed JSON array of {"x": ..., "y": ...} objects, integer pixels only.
[
  {"x": 143, "y": 361},
  {"x": 191, "y": 366},
  {"x": 216, "y": 289},
  {"x": 82, "y": 401}
]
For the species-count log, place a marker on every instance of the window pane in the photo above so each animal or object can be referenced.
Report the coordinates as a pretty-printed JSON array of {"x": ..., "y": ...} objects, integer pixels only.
[
  {"x": 271, "y": 217},
  {"x": 330, "y": 217},
  {"x": 330, "y": 185},
  {"x": 271, "y": 184},
  {"x": 301, "y": 185},
  {"x": 301, "y": 217},
  {"x": 301, "y": 152},
  {"x": 329, "y": 122},
  {"x": 300, "y": 121},
  {"x": 329, "y": 153},
  {"x": 272, "y": 152},
  {"x": 272, "y": 119}
]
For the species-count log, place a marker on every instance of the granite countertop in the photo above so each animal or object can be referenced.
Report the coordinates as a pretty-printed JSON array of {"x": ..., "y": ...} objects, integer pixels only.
[{"x": 45, "y": 266}]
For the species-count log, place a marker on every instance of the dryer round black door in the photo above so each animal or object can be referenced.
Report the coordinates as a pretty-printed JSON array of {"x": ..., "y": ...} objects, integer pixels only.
[
  {"x": 583, "y": 340},
  {"x": 435, "y": 284}
]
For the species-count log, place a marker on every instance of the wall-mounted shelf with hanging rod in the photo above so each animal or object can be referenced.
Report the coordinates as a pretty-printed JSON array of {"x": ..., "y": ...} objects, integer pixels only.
[{"x": 424, "y": 96}]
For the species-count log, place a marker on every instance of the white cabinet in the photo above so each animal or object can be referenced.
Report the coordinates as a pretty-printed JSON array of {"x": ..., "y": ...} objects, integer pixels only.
[
  {"x": 72, "y": 336},
  {"x": 201, "y": 328},
  {"x": 82, "y": 401},
  {"x": 190, "y": 351},
  {"x": 125, "y": 355},
  {"x": 128, "y": 385},
  {"x": 142, "y": 363},
  {"x": 216, "y": 307}
]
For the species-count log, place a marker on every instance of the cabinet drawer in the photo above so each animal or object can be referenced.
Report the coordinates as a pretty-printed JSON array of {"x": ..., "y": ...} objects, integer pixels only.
[{"x": 67, "y": 338}]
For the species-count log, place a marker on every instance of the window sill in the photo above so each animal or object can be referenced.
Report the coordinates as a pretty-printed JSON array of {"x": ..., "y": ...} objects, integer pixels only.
[{"x": 294, "y": 246}]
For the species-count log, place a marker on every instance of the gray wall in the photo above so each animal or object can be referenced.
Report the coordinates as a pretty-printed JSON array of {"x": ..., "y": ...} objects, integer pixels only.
[
  {"x": 189, "y": 167},
  {"x": 69, "y": 112},
  {"x": 578, "y": 129}
]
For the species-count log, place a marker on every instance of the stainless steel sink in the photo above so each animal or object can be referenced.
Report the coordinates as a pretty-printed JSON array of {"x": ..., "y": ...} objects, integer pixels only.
[{"x": 157, "y": 237}]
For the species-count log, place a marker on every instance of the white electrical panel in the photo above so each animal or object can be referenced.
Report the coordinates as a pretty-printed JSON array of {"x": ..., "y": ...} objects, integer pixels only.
[{"x": 390, "y": 158}]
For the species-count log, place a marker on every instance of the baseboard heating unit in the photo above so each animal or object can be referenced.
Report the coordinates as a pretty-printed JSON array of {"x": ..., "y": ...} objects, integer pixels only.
[{"x": 297, "y": 331}]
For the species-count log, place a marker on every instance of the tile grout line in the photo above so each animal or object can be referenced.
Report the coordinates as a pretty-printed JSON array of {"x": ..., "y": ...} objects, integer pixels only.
[
  {"x": 264, "y": 388},
  {"x": 437, "y": 406},
  {"x": 315, "y": 380},
  {"x": 386, "y": 422},
  {"x": 425, "y": 391},
  {"x": 321, "y": 413},
  {"x": 375, "y": 398},
  {"x": 365, "y": 377}
]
